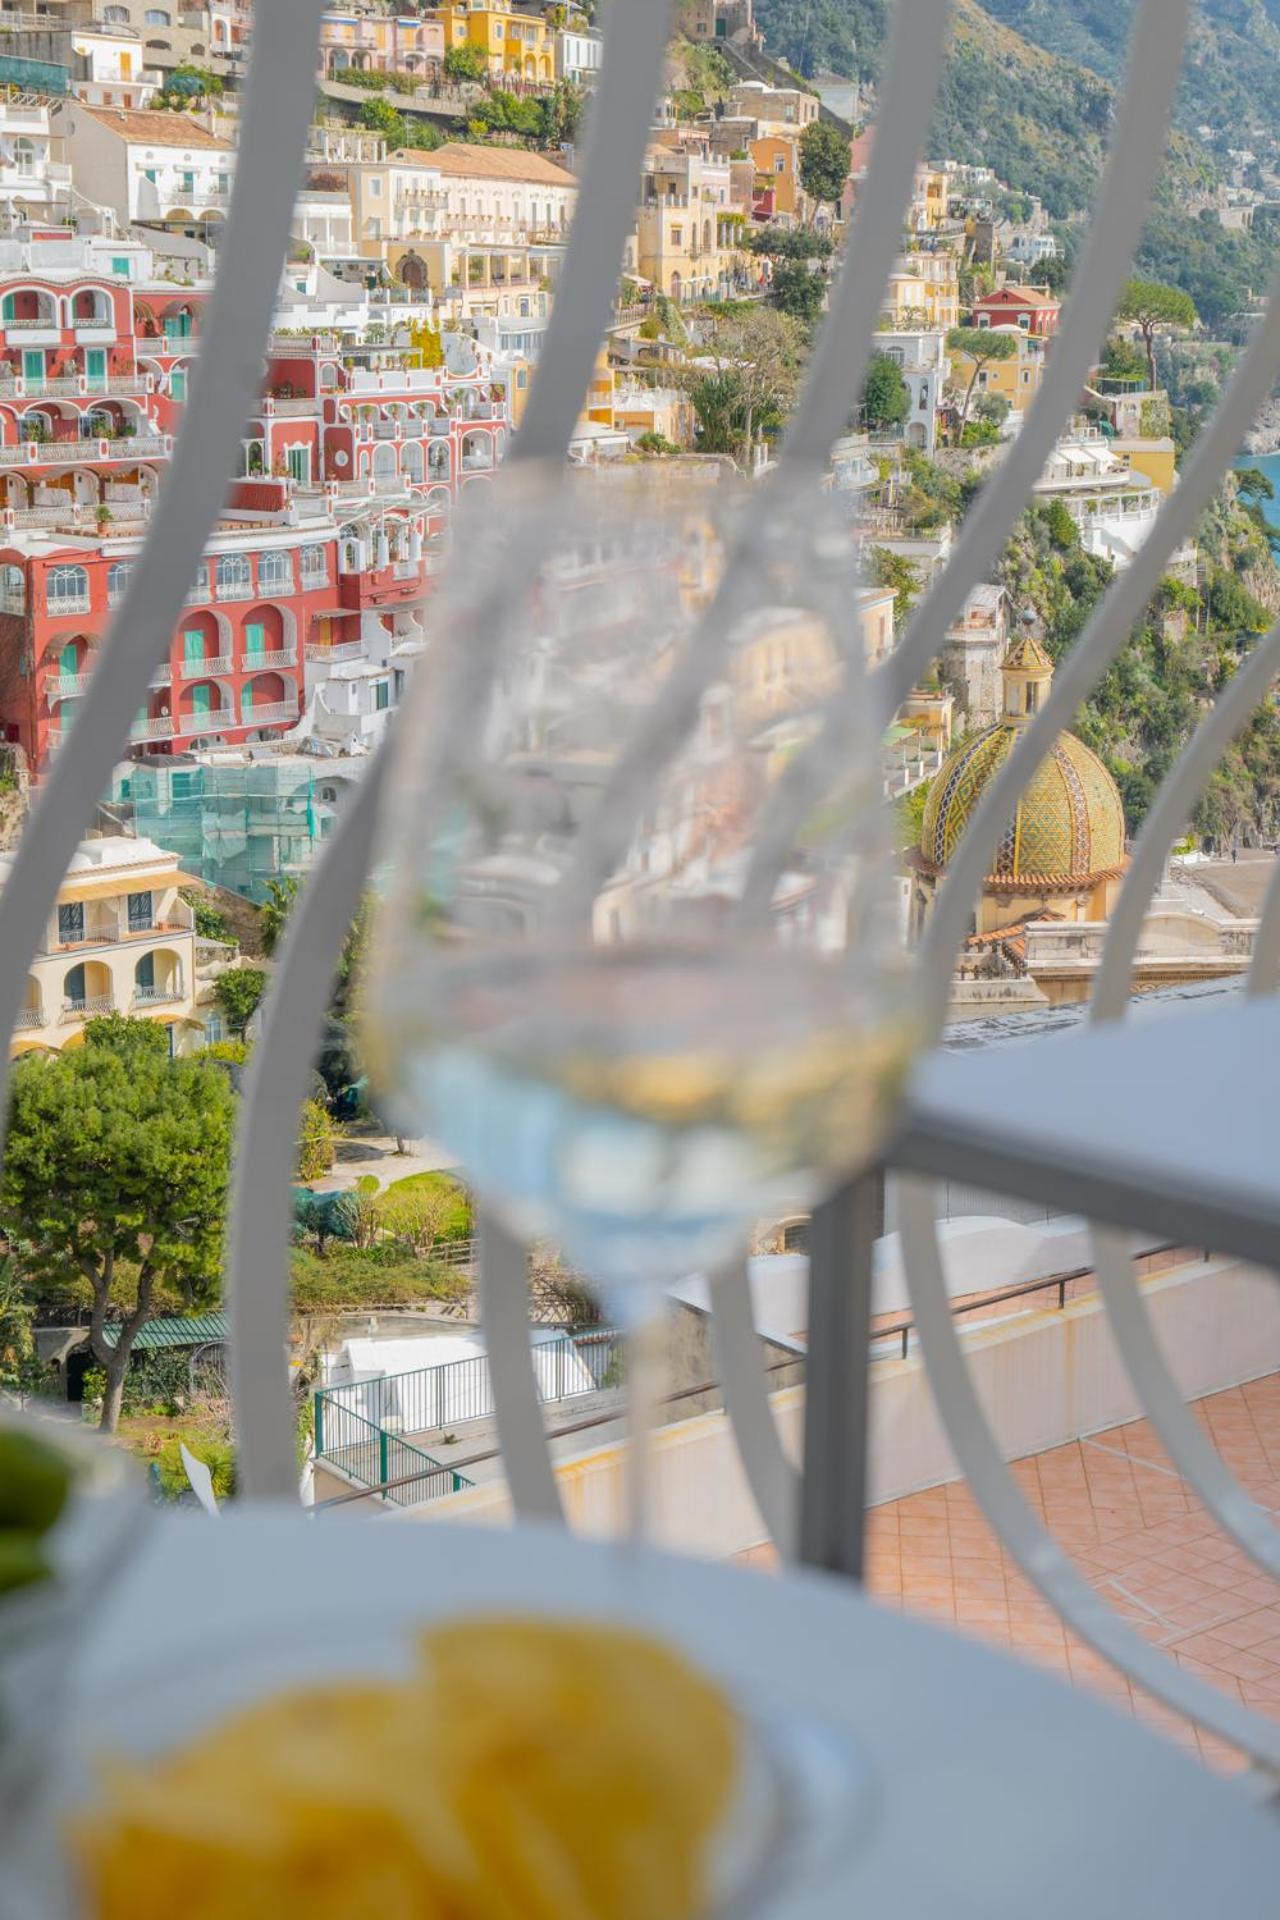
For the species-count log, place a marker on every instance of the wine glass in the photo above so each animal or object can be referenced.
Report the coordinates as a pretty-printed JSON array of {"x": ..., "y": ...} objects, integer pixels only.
[{"x": 639, "y": 960}]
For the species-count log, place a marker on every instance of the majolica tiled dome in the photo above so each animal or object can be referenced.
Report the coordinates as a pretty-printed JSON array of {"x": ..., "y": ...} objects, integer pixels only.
[{"x": 1068, "y": 828}]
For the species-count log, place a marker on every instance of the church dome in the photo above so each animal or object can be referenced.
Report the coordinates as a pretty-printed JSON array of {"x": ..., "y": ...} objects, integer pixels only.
[{"x": 1068, "y": 827}]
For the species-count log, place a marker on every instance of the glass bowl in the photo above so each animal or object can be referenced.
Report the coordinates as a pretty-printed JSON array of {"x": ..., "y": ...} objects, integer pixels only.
[{"x": 41, "y": 1624}]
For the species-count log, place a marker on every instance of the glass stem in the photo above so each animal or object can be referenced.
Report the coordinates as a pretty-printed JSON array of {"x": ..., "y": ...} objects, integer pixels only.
[{"x": 645, "y": 1368}]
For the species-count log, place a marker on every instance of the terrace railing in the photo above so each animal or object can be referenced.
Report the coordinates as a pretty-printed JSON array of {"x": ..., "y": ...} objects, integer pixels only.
[{"x": 1135, "y": 1132}]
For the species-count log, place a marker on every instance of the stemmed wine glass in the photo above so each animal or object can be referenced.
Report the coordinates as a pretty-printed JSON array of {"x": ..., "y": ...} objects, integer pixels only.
[{"x": 639, "y": 958}]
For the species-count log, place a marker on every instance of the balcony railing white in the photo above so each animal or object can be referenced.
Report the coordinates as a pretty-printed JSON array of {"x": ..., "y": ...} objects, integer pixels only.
[
  {"x": 68, "y": 686},
  {"x": 152, "y": 727},
  {"x": 201, "y": 669},
  {"x": 831, "y": 1492},
  {"x": 88, "y": 1009},
  {"x": 335, "y": 656},
  {"x": 279, "y": 657},
  {"x": 64, "y": 603},
  {"x": 29, "y": 1017},
  {"x": 157, "y": 996},
  {"x": 269, "y": 716},
  {"x": 234, "y": 590}
]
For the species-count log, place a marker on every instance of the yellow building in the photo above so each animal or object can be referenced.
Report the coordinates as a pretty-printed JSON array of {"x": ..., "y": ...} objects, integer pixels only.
[
  {"x": 1062, "y": 855},
  {"x": 687, "y": 230},
  {"x": 924, "y": 292},
  {"x": 1155, "y": 459},
  {"x": 517, "y": 46},
  {"x": 1016, "y": 380},
  {"x": 121, "y": 939},
  {"x": 777, "y": 164},
  {"x": 929, "y": 197}
]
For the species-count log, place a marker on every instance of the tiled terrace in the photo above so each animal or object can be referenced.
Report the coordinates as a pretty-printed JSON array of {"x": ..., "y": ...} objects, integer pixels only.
[{"x": 1134, "y": 1529}]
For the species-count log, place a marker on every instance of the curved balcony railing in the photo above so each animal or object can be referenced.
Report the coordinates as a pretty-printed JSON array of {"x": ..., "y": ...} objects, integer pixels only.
[{"x": 1100, "y": 1125}]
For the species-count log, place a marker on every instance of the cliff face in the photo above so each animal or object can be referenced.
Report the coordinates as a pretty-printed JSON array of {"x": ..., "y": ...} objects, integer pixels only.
[{"x": 1264, "y": 435}]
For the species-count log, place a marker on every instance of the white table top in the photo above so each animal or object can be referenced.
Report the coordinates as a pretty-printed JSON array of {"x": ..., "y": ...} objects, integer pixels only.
[
  {"x": 996, "y": 1791},
  {"x": 1167, "y": 1121}
]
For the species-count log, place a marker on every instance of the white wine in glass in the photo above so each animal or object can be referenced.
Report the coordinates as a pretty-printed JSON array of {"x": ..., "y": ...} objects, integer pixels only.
[{"x": 639, "y": 961}]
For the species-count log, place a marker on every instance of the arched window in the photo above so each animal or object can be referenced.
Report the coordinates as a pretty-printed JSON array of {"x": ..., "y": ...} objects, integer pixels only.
[
  {"x": 117, "y": 582},
  {"x": 275, "y": 573},
  {"x": 115, "y": 16},
  {"x": 235, "y": 577},
  {"x": 156, "y": 17},
  {"x": 315, "y": 568},
  {"x": 13, "y": 590},
  {"x": 67, "y": 590}
]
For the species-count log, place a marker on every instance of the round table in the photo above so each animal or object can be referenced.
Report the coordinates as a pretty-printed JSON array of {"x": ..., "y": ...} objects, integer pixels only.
[{"x": 997, "y": 1792}]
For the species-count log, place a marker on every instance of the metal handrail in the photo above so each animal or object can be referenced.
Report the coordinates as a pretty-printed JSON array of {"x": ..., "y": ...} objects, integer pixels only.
[
  {"x": 429, "y": 1399},
  {"x": 365, "y": 1447}
]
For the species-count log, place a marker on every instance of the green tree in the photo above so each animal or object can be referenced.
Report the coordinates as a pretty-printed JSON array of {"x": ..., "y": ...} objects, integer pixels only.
[
  {"x": 379, "y": 116},
  {"x": 317, "y": 1141},
  {"x": 116, "y": 1169},
  {"x": 755, "y": 355},
  {"x": 798, "y": 291},
  {"x": 790, "y": 243},
  {"x": 238, "y": 992},
  {"x": 892, "y": 570},
  {"x": 980, "y": 345},
  {"x": 276, "y": 909},
  {"x": 824, "y": 163},
  {"x": 886, "y": 397},
  {"x": 1150, "y": 304},
  {"x": 467, "y": 62}
]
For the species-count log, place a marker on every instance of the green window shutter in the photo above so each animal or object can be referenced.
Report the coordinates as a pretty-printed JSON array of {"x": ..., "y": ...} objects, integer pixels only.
[
  {"x": 193, "y": 644},
  {"x": 67, "y": 661},
  {"x": 255, "y": 637}
]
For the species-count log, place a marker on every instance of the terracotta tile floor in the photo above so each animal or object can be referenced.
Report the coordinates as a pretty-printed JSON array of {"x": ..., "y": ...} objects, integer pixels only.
[{"x": 1133, "y": 1528}]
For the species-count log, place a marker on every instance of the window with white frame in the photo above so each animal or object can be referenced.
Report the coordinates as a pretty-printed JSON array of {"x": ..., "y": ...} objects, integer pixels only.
[
  {"x": 315, "y": 566},
  {"x": 117, "y": 582},
  {"x": 275, "y": 573},
  {"x": 67, "y": 590},
  {"x": 235, "y": 577}
]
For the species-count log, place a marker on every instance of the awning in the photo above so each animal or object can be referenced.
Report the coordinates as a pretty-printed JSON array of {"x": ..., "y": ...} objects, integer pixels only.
[{"x": 175, "y": 1330}]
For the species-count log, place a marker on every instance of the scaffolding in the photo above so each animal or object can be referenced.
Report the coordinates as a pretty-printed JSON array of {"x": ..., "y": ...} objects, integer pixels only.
[{"x": 235, "y": 826}]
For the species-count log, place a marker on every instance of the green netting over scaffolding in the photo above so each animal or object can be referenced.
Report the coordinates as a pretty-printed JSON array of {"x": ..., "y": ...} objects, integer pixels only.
[{"x": 235, "y": 826}]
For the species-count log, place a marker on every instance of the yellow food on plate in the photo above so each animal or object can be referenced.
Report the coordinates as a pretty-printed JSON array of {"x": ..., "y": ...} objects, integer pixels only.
[{"x": 528, "y": 1769}]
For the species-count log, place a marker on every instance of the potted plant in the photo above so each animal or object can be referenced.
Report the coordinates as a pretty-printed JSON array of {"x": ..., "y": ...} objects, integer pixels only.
[{"x": 103, "y": 517}]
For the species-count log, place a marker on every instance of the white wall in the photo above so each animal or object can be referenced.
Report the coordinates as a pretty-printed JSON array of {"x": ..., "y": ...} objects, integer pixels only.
[{"x": 1044, "y": 1378}]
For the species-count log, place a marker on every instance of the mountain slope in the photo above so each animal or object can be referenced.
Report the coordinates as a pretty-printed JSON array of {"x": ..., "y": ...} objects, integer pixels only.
[
  {"x": 1038, "y": 119},
  {"x": 1232, "y": 77}
]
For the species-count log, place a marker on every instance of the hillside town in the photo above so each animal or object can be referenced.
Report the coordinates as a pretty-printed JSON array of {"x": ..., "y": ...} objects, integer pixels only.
[{"x": 443, "y": 171}]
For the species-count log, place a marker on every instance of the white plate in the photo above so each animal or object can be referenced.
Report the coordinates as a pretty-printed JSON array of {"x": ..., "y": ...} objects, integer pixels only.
[{"x": 804, "y": 1794}]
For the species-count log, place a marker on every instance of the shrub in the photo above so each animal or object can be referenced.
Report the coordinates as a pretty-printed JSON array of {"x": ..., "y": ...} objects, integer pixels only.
[
  {"x": 218, "y": 1455},
  {"x": 317, "y": 1141}
]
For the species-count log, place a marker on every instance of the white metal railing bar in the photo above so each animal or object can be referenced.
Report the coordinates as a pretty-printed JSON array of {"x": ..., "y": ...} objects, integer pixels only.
[
  {"x": 1153, "y": 68},
  {"x": 1036, "y": 1552},
  {"x": 1104, "y": 635},
  {"x": 872, "y": 247},
  {"x": 1195, "y": 1457},
  {"x": 260, "y": 1225},
  {"x": 1264, "y": 968},
  {"x": 276, "y": 115},
  {"x": 738, "y": 1364}
]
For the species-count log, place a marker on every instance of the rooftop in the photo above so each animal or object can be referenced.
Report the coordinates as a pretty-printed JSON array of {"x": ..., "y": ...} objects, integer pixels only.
[
  {"x": 1136, "y": 1532},
  {"x": 489, "y": 163},
  {"x": 141, "y": 129}
]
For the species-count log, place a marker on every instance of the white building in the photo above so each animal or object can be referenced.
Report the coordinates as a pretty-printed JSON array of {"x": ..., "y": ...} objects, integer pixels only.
[
  {"x": 922, "y": 358},
  {"x": 1114, "y": 507},
  {"x": 1027, "y": 249},
  {"x": 35, "y": 177},
  {"x": 578, "y": 56},
  {"x": 108, "y": 68},
  {"x": 148, "y": 167}
]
